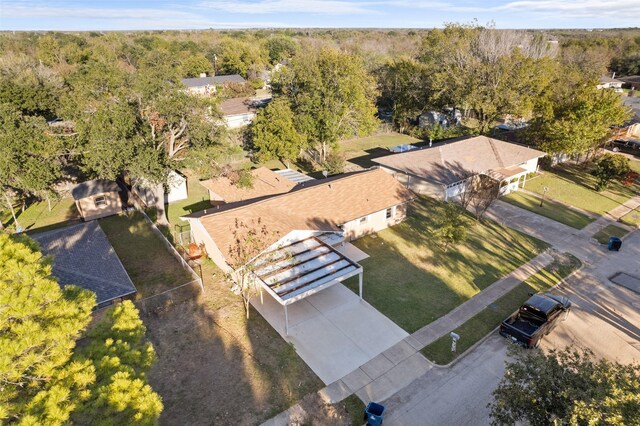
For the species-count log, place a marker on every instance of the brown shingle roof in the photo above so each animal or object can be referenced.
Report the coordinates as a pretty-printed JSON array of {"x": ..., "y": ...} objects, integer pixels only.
[
  {"x": 265, "y": 182},
  {"x": 446, "y": 163},
  {"x": 322, "y": 206},
  {"x": 236, "y": 106}
]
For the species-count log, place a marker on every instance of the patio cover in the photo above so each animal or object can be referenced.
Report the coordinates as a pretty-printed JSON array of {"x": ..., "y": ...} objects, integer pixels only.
[{"x": 301, "y": 268}]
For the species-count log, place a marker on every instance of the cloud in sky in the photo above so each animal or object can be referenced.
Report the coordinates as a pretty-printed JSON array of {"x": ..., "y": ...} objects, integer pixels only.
[
  {"x": 326, "y": 7},
  {"x": 188, "y": 14}
]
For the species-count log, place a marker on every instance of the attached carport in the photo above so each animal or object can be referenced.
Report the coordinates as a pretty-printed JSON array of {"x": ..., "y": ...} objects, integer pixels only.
[{"x": 300, "y": 269}]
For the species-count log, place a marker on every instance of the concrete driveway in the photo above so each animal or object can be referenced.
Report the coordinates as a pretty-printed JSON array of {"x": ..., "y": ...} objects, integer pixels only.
[{"x": 333, "y": 331}]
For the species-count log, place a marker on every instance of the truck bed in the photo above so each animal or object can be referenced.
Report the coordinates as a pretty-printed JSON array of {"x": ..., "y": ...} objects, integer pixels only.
[{"x": 524, "y": 326}]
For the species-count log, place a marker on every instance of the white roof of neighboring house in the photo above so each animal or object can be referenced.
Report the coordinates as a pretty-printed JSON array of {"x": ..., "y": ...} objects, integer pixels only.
[
  {"x": 448, "y": 162},
  {"x": 607, "y": 79}
]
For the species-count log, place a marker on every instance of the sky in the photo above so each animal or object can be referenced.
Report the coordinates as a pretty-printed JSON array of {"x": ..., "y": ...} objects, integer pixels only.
[{"x": 103, "y": 15}]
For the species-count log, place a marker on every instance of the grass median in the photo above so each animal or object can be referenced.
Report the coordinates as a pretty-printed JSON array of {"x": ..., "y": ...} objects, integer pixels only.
[
  {"x": 489, "y": 318},
  {"x": 550, "y": 209}
]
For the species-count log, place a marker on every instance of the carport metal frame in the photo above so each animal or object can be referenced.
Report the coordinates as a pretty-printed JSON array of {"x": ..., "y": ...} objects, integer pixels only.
[{"x": 314, "y": 289}]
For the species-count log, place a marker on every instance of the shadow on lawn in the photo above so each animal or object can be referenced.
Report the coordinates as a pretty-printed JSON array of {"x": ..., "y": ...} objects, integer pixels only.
[{"x": 216, "y": 367}]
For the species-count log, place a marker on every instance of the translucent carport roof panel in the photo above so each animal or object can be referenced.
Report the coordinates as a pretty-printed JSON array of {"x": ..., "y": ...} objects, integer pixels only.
[{"x": 302, "y": 268}]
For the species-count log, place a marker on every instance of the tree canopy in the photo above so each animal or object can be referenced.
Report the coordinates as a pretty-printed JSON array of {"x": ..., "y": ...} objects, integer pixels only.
[
  {"x": 567, "y": 387},
  {"x": 44, "y": 377}
]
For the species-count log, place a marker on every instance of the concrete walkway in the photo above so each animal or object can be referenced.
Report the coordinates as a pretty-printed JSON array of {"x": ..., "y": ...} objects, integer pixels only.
[{"x": 612, "y": 217}]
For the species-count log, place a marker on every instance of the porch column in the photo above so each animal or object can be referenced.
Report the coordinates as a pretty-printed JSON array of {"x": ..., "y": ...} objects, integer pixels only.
[
  {"x": 524, "y": 180},
  {"x": 286, "y": 321},
  {"x": 360, "y": 284}
]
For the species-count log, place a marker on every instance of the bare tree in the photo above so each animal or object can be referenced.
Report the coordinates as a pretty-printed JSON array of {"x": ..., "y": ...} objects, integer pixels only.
[
  {"x": 484, "y": 191},
  {"x": 249, "y": 241}
]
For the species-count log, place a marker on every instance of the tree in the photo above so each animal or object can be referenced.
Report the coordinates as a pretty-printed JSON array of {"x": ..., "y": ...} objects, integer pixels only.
[
  {"x": 450, "y": 226},
  {"x": 194, "y": 65},
  {"x": 483, "y": 191},
  {"x": 274, "y": 134},
  {"x": 405, "y": 89},
  {"x": 29, "y": 157},
  {"x": 280, "y": 48},
  {"x": 579, "y": 122},
  {"x": 240, "y": 57},
  {"x": 609, "y": 166},
  {"x": 489, "y": 72},
  {"x": 331, "y": 95},
  {"x": 44, "y": 378},
  {"x": 566, "y": 387},
  {"x": 122, "y": 358},
  {"x": 249, "y": 241},
  {"x": 39, "y": 324}
]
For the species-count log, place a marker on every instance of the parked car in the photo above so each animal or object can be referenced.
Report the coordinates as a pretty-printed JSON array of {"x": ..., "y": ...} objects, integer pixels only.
[
  {"x": 536, "y": 318},
  {"x": 630, "y": 146}
]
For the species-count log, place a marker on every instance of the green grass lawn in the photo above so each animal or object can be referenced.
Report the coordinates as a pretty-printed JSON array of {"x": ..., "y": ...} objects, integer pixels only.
[
  {"x": 37, "y": 217},
  {"x": 147, "y": 261},
  {"x": 489, "y": 318},
  {"x": 550, "y": 209},
  {"x": 574, "y": 186},
  {"x": 609, "y": 231},
  {"x": 413, "y": 281},
  {"x": 635, "y": 165},
  {"x": 198, "y": 200},
  {"x": 632, "y": 218},
  {"x": 361, "y": 151}
]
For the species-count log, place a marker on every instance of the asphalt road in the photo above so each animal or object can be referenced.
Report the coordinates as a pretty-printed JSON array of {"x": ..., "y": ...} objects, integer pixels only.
[{"x": 605, "y": 318}]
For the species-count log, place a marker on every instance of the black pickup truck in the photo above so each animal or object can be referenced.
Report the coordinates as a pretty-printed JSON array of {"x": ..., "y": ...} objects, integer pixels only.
[{"x": 535, "y": 319}]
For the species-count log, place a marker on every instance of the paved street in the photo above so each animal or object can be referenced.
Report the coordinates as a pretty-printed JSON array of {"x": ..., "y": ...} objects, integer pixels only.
[{"x": 452, "y": 396}]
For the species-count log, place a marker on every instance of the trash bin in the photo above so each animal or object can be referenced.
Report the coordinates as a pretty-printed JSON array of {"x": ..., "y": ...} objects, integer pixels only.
[
  {"x": 373, "y": 414},
  {"x": 615, "y": 243}
]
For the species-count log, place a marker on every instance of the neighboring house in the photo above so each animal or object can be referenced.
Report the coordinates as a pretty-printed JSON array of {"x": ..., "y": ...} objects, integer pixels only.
[
  {"x": 334, "y": 209},
  {"x": 97, "y": 198},
  {"x": 204, "y": 85},
  {"x": 441, "y": 171},
  {"x": 175, "y": 190},
  {"x": 607, "y": 82},
  {"x": 83, "y": 256},
  {"x": 237, "y": 112},
  {"x": 265, "y": 182}
]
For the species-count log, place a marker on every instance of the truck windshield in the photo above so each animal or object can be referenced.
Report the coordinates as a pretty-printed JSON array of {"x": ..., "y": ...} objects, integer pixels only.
[{"x": 530, "y": 310}]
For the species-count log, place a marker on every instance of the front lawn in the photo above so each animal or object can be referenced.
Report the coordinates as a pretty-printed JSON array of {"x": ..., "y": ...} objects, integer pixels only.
[
  {"x": 632, "y": 218},
  {"x": 552, "y": 210},
  {"x": 574, "y": 186},
  {"x": 603, "y": 235},
  {"x": 410, "y": 279},
  {"x": 148, "y": 262},
  {"x": 489, "y": 318}
]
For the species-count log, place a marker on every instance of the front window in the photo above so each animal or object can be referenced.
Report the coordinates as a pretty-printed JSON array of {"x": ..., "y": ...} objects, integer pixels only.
[
  {"x": 100, "y": 201},
  {"x": 363, "y": 220},
  {"x": 390, "y": 212}
]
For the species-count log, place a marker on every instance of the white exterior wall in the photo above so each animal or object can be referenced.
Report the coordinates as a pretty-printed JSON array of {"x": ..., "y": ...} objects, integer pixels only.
[
  {"x": 374, "y": 222},
  {"x": 531, "y": 166},
  {"x": 177, "y": 188},
  {"x": 417, "y": 185},
  {"x": 239, "y": 120}
]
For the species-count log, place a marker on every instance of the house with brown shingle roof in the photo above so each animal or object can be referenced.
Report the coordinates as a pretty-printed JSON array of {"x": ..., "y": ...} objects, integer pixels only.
[
  {"x": 441, "y": 171},
  {"x": 337, "y": 209},
  {"x": 265, "y": 182}
]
